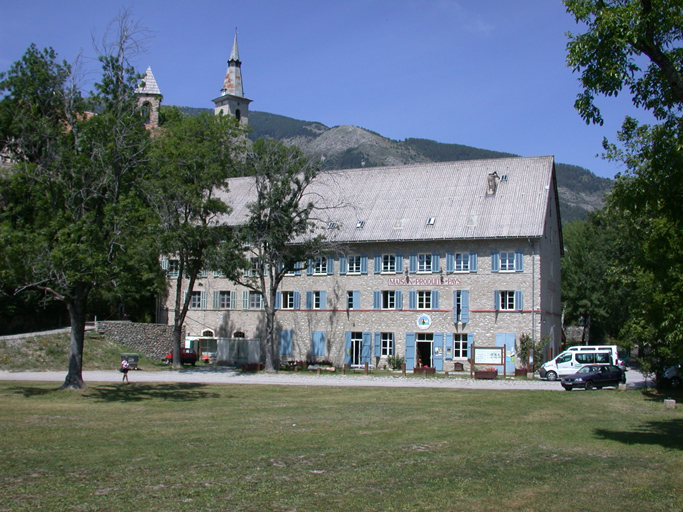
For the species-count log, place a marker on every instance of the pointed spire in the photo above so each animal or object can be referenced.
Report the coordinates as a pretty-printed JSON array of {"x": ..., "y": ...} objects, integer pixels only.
[
  {"x": 233, "y": 76},
  {"x": 148, "y": 85}
]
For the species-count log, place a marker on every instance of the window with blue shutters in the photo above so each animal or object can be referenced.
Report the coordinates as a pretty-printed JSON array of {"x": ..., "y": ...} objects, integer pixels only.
[
  {"x": 353, "y": 299},
  {"x": 508, "y": 300},
  {"x": 316, "y": 299},
  {"x": 318, "y": 343}
]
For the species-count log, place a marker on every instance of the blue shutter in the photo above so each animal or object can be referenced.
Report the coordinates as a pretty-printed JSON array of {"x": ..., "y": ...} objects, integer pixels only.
[
  {"x": 330, "y": 265},
  {"x": 318, "y": 343},
  {"x": 286, "y": 343},
  {"x": 518, "y": 300},
  {"x": 410, "y": 351},
  {"x": 323, "y": 299},
  {"x": 412, "y": 265},
  {"x": 245, "y": 299},
  {"x": 437, "y": 360},
  {"x": 464, "y": 306},
  {"x": 378, "y": 345},
  {"x": 448, "y": 349},
  {"x": 297, "y": 300},
  {"x": 347, "y": 347},
  {"x": 343, "y": 264},
  {"x": 496, "y": 300},
  {"x": 519, "y": 261},
  {"x": 309, "y": 267},
  {"x": 366, "y": 348},
  {"x": 309, "y": 300},
  {"x": 233, "y": 300},
  {"x": 363, "y": 263},
  {"x": 297, "y": 267},
  {"x": 216, "y": 299},
  {"x": 435, "y": 262},
  {"x": 470, "y": 342},
  {"x": 378, "y": 263},
  {"x": 278, "y": 300},
  {"x": 435, "y": 299},
  {"x": 473, "y": 262},
  {"x": 399, "y": 299},
  {"x": 412, "y": 299},
  {"x": 202, "y": 299},
  {"x": 450, "y": 262},
  {"x": 399, "y": 263},
  {"x": 376, "y": 299},
  {"x": 356, "y": 299},
  {"x": 495, "y": 261}
]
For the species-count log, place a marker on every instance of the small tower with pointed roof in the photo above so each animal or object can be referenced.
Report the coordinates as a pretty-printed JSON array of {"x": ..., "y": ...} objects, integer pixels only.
[
  {"x": 232, "y": 101},
  {"x": 149, "y": 98}
]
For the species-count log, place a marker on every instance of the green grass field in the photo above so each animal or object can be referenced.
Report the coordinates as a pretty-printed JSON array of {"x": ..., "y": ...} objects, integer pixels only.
[{"x": 184, "y": 447}]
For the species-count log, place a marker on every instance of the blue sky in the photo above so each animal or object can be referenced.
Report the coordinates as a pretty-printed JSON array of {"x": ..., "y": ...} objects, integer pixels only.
[{"x": 485, "y": 73}]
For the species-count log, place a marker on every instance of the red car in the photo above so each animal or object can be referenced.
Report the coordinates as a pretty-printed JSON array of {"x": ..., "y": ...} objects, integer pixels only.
[{"x": 187, "y": 356}]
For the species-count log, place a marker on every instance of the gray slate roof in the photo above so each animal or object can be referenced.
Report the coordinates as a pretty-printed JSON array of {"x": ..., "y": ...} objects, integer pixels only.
[
  {"x": 396, "y": 202},
  {"x": 150, "y": 82}
]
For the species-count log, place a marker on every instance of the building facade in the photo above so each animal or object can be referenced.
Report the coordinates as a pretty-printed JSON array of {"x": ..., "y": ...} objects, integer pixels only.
[{"x": 428, "y": 260}]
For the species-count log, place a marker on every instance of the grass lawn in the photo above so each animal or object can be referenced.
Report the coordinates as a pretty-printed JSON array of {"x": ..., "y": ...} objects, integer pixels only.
[{"x": 189, "y": 447}]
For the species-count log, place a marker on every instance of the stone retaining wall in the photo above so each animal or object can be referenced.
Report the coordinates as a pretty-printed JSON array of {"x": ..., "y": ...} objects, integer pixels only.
[{"x": 152, "y": 340}]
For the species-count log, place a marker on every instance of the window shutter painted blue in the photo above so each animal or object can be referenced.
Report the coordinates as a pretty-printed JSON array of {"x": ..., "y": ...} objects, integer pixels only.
[
  {"x": 366, "y": 348},
  {"x": 233, "y": 300},
  {"x": 297, "y": 300},
  {"x": 470, "y": 342},
  {"x": 519, "y": 305},
  {"x": 309, "y": 268},
  {"x": 399, "y": 263},
  {"x": 245, "y": 299},
  {"x": 343, "y": 264},
  {"x": 356, "y": 299},
  {"x": 519, "y": 261},
  {"x": 347, "y": 347},
  {"x": 464, "y": 306},
  {"x": 437, "y": 352},
  {"x": 216, "y": 299},
  {"x": 318, "y": 343},
  {"x": 330, "y": 265},
  {"x": 399, "y": 299},
  {"x": 412, "y": 299},
  {"x": 378, "y": 351},
  {"x": 378, "y": 263},
  {"x": 278, "y": 300},
  {"x": 496, "y": 300},
  {"x": 309, "y": 300},
  {"x": 448, "y": 350},
  {"x": 410, "y": 351},
  {"x": 450, "y": 262},
  {"x": 435, "y": 299},
  {"x": 297, "y": 268},
  {"x": 473, "y": 262},
  {"x": 376, "y": 299},
  {"x": 202, "y": 299},
  {"x": 286, "y": 343},
  {"x": 435, "y": 262},
  {"x": 364, "y": 264},
  {"x": 495, "y": 261},
  {"x": 412, "y": 264},
  {"x": 323, "y": 299}
]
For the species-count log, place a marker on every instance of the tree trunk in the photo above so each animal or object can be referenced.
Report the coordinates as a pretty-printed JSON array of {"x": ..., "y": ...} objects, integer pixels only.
[
  {"x": 77, "y": 308},
  {"x": 270, "y": 337}
]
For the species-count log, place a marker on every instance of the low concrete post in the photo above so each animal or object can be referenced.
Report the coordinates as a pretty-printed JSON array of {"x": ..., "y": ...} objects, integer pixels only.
[{"x": 669, "y": 403}]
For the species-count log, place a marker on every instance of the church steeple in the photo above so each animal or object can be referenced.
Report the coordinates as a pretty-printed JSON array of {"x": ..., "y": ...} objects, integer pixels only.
[
  {"x": 149, "y": 98},
  {"x": 232, "y": 100}
]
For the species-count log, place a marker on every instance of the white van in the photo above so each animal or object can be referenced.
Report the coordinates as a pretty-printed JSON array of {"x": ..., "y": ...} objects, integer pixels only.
[{"x": 569, "y": 361}]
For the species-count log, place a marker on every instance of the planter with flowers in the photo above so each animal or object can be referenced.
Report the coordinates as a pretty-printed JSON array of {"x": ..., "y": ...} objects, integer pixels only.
[{"x": 486, "y": 373}]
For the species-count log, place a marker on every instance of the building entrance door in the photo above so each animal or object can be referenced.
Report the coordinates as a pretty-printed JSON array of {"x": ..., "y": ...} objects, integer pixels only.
[
  {"x": 424, "y": 349},
  {"x": 356, "y": 348}
]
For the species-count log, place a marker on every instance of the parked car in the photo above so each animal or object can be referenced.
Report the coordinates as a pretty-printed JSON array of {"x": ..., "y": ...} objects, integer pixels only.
[
  {"x": 594, "y": 376},
  {"x": 187, "y": 356},
  {"x": 672, "y": 377}
]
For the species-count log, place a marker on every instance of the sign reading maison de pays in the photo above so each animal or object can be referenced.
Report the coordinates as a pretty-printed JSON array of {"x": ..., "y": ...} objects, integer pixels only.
[{"x": 424, "y": 281}]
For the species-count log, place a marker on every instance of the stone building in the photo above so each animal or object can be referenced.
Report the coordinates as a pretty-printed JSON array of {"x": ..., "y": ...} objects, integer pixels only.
[{"x": 429, "y": 259}]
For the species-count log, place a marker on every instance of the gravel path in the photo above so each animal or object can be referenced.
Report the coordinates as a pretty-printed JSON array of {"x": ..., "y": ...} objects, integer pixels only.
[{"x": 219, "y": 375}]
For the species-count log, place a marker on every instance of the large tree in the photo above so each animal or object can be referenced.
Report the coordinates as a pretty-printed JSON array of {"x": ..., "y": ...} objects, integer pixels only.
[
  {"x": 70, "y": 205},
  {"x": 637, "y": 45},
  {"x": 279, "y": 234},
  {"x": 192, "y": 159}
]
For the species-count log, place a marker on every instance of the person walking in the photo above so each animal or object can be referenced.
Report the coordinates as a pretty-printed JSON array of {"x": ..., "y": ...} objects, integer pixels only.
[{"x": 125, "y": 366}]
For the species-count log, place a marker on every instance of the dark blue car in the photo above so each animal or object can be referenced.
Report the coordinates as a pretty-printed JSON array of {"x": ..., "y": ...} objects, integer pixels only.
[{"x": 595, "y": 376}]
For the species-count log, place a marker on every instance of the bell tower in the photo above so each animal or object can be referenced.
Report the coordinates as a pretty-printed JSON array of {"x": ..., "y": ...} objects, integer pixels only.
[
  {"x": 149, "y": 98},
  {"x": 232, "y": 101}
]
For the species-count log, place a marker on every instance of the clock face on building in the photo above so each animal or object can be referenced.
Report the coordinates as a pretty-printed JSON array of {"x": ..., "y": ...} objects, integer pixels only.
[{"x": 424, "y": 321}]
